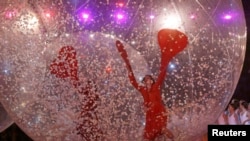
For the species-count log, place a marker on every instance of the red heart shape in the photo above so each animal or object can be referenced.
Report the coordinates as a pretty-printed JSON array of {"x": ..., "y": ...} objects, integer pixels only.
[
  {"x": 66, "y": 64},
  {"x": 171, "y": 42}
]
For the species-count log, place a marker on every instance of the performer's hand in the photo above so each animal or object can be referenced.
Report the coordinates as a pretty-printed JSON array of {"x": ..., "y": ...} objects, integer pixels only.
[{"x": 121, "y": 49}]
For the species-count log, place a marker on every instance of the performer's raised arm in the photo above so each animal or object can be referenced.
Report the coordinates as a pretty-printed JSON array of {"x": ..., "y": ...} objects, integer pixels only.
[
  {"x": 124, "y": 56},
  {"x": 162, "y": 71}
]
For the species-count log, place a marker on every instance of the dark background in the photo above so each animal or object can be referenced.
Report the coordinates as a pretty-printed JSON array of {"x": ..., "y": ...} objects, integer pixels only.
[
  {"x": 242, "y": 91},
  {"x": 243, "y": 88}
]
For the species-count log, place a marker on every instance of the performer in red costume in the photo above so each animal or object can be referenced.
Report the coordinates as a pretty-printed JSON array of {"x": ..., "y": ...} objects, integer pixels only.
[
  {"x": 171, "y": 43},
  {"x": 65, "y": 66}
]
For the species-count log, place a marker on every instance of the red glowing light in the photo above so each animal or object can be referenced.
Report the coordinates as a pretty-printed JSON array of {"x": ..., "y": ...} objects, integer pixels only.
[
  {"x": 48, "y": 15},
  {"x": 108, "y": 69},
  {"x": 120, "y": 4}
]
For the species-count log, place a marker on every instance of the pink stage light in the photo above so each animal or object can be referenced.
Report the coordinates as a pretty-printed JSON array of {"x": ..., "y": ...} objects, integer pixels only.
[
  {"x": 120, "y": 16},
  {"x": 227, "y": 17}
]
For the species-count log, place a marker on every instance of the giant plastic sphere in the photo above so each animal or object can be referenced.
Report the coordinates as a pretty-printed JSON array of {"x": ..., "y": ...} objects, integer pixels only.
[
  {"x": 5, "y": 120},
  {"x": 46, "y": 104}
]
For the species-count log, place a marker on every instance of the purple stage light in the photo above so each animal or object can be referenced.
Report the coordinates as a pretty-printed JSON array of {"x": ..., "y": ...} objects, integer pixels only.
[
  {"x": 119, "y": 16},
  {"x": 84, "y": 16},
  {"x": 227, "y": 17}
]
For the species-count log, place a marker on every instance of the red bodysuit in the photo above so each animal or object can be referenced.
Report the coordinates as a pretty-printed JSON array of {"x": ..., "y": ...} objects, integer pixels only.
[{"x": 171, "y": 42}]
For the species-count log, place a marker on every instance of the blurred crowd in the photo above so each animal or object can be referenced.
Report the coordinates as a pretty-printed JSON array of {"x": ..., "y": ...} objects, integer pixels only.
[{"x": 237, "y": 112}]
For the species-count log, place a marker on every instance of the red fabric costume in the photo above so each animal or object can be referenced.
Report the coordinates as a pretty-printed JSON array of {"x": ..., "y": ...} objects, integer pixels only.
[{"x": 171, "y": 42}]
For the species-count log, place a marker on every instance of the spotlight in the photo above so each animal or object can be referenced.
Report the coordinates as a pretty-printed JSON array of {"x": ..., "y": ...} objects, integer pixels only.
[
  {"x": 120, "y": 16},
  {"x": 227, "y": 17}
]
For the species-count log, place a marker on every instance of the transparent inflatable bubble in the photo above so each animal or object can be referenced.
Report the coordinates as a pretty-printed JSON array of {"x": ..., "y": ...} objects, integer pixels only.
[
  {"x": 5, "y": 119},
  {"x": 62, "y": 77}
]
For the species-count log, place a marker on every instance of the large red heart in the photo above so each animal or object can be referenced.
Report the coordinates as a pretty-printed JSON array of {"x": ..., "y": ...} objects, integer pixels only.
[
  {"x": 66, "y": 64},
  {"x": 171, "y": 42}
]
